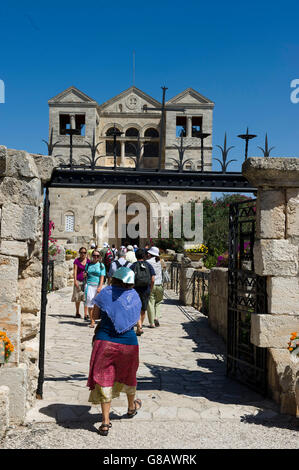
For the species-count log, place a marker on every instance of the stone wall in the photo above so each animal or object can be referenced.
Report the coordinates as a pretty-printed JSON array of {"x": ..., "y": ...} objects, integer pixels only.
[
  {"x": 218, "y": 297},
  {"x": 276, "y": 256},
  {"x": 21, "y": 202}
]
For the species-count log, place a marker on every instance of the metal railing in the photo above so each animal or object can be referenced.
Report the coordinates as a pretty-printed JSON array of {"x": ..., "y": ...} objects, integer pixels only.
[{"x": 175, "y": 276}]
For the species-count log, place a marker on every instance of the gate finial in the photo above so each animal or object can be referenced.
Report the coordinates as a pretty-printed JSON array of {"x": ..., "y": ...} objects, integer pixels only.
[
  {"x": 247, "y": 137},
  {"x": 266, "y": 151},
  {"x": 224, "y": 164}
]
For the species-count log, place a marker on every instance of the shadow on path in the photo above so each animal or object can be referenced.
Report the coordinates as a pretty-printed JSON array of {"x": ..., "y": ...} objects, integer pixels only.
[{"x": 78, "y": 416}]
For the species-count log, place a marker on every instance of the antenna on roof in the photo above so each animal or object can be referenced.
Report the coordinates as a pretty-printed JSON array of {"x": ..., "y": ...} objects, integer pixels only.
[{"x": 133, "y": 68}]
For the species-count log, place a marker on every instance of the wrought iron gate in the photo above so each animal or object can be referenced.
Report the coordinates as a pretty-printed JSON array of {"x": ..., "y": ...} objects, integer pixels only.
[{"x": 247, "y": 296}]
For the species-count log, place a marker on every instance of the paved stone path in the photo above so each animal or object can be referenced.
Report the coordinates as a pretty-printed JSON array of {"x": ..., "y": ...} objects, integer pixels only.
[{"x": 188, "y": 402}]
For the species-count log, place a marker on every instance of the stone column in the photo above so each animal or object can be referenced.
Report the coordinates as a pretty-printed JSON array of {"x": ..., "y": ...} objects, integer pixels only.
[
  {"x": 276, "y": 257},
  {"x": 189, "y": 126},
  {"x": 73, "y": 121},
  {"x": 122, "y": 154}
]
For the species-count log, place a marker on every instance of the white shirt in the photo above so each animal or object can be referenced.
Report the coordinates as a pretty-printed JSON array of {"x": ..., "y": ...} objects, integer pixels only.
[{"x": 158, "y": 270}]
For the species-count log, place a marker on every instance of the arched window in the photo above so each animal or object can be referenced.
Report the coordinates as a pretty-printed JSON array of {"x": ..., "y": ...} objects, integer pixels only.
[
  {"x": 110, "y": 143},
  {"x": 69, "y": 222},
  {"x": 151, "y": 132},
  {"x": 132, "y": 132}
]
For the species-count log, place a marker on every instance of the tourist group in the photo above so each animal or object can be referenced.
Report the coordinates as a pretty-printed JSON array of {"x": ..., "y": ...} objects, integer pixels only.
[{"x": 118, "y": 287}]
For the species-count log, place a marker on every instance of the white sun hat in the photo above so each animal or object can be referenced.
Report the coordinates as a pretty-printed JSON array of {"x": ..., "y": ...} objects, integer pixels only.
[{"x": 154, "y": 251}]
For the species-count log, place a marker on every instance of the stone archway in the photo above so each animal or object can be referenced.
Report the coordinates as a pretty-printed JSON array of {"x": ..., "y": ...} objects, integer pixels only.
[{"x": 117, "y": 216}]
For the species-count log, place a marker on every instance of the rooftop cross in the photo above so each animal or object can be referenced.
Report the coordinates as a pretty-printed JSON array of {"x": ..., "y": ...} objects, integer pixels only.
[{"x": 162, "y": 124}]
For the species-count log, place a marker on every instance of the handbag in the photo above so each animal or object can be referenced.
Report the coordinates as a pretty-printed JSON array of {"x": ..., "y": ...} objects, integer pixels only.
[{"x": 84, "y": 280}]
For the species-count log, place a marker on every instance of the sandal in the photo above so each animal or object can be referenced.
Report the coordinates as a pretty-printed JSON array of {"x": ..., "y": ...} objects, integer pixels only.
[
  {"x": 77, "y": 315},
  {"x": 157, "y": 323},
  {"x": 132, "y": 413},
  {"x": 104, "y": 429},
  {"x": 91, "y": 325},
  {"x": 139, "y": 332}
]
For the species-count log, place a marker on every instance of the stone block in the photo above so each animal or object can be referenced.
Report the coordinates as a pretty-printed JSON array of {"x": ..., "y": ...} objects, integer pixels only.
[
  {"x": 31, "y": 350},
  {"x": 19, "y": 223},
  {"x": 272, "y": 331},
  {"x": 283, "y": 295},
  {"x": 14, "y": 248},
  {"x": 4, "y": 410},
  {"x": 17, "y": 163},
  {"x": 10, "y": 315},
  {"x": 275, "y": 258},
  {"x": 29, "y": 326},
  {"x": 8, "y": 278},
  {"x": 30, "y": 294},
  {"x": 282, "y": 379},
  {"x": 292, "y": 211},
  {"x": 45, "y": 166},
  {"x": 33, "y": 268},
  {"x": 272, "y": 172},
  {"x": 270, "y": 214},
  {"x": 15, "y": 378},
  {"x": 20, "y": 191},
  {"x": 61, "y": 272}
]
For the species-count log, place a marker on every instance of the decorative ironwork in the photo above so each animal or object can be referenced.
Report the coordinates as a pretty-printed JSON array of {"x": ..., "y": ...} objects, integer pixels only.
[
  {"x": 247, "y": 137},
  {"x": 200, "y": 291},
  {"x": 162, "y": 123},
  {"x": 202, "y": 136},
  {"x": 181, "y": 149},
  {"x": 50, "y": 144},
  {"x": 266, "y": 151},
  {"x": 224, "y": 164},
  {"x": 93, "y": 149},
  {"x": 72, "y": 132},
  {"x": 125, "y": 178},
  {"x": 138, "y": 148},
  {"x": 247, "y": 296}
]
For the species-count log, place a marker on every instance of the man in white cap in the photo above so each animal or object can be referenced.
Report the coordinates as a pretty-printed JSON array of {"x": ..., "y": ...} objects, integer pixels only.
[
  {"x": 118, "y": 263},
  {"x": 130, "y": 256}
]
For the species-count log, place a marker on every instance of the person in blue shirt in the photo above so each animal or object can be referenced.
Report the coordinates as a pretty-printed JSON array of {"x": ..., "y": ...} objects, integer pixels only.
[
  {"x": 115, "y": 354},
  {"x": 94, "y": 276}
]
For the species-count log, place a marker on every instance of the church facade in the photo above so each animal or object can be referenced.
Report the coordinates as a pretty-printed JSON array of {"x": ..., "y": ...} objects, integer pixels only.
[{"x": 81, "y": 215}]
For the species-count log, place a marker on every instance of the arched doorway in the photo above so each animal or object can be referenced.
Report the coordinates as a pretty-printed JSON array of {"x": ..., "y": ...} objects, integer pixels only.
[{"x": 124, "y": 217}]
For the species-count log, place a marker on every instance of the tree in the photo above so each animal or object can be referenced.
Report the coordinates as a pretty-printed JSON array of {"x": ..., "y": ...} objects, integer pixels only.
[{"x": 216, "y": 226}]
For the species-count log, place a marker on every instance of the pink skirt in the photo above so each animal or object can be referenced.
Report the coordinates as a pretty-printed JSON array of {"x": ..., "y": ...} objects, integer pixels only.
[{"x": 112, "y": 370}]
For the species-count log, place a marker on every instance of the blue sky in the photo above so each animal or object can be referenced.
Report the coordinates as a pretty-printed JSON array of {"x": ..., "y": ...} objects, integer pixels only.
[{"x": 241, "y": 55}]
